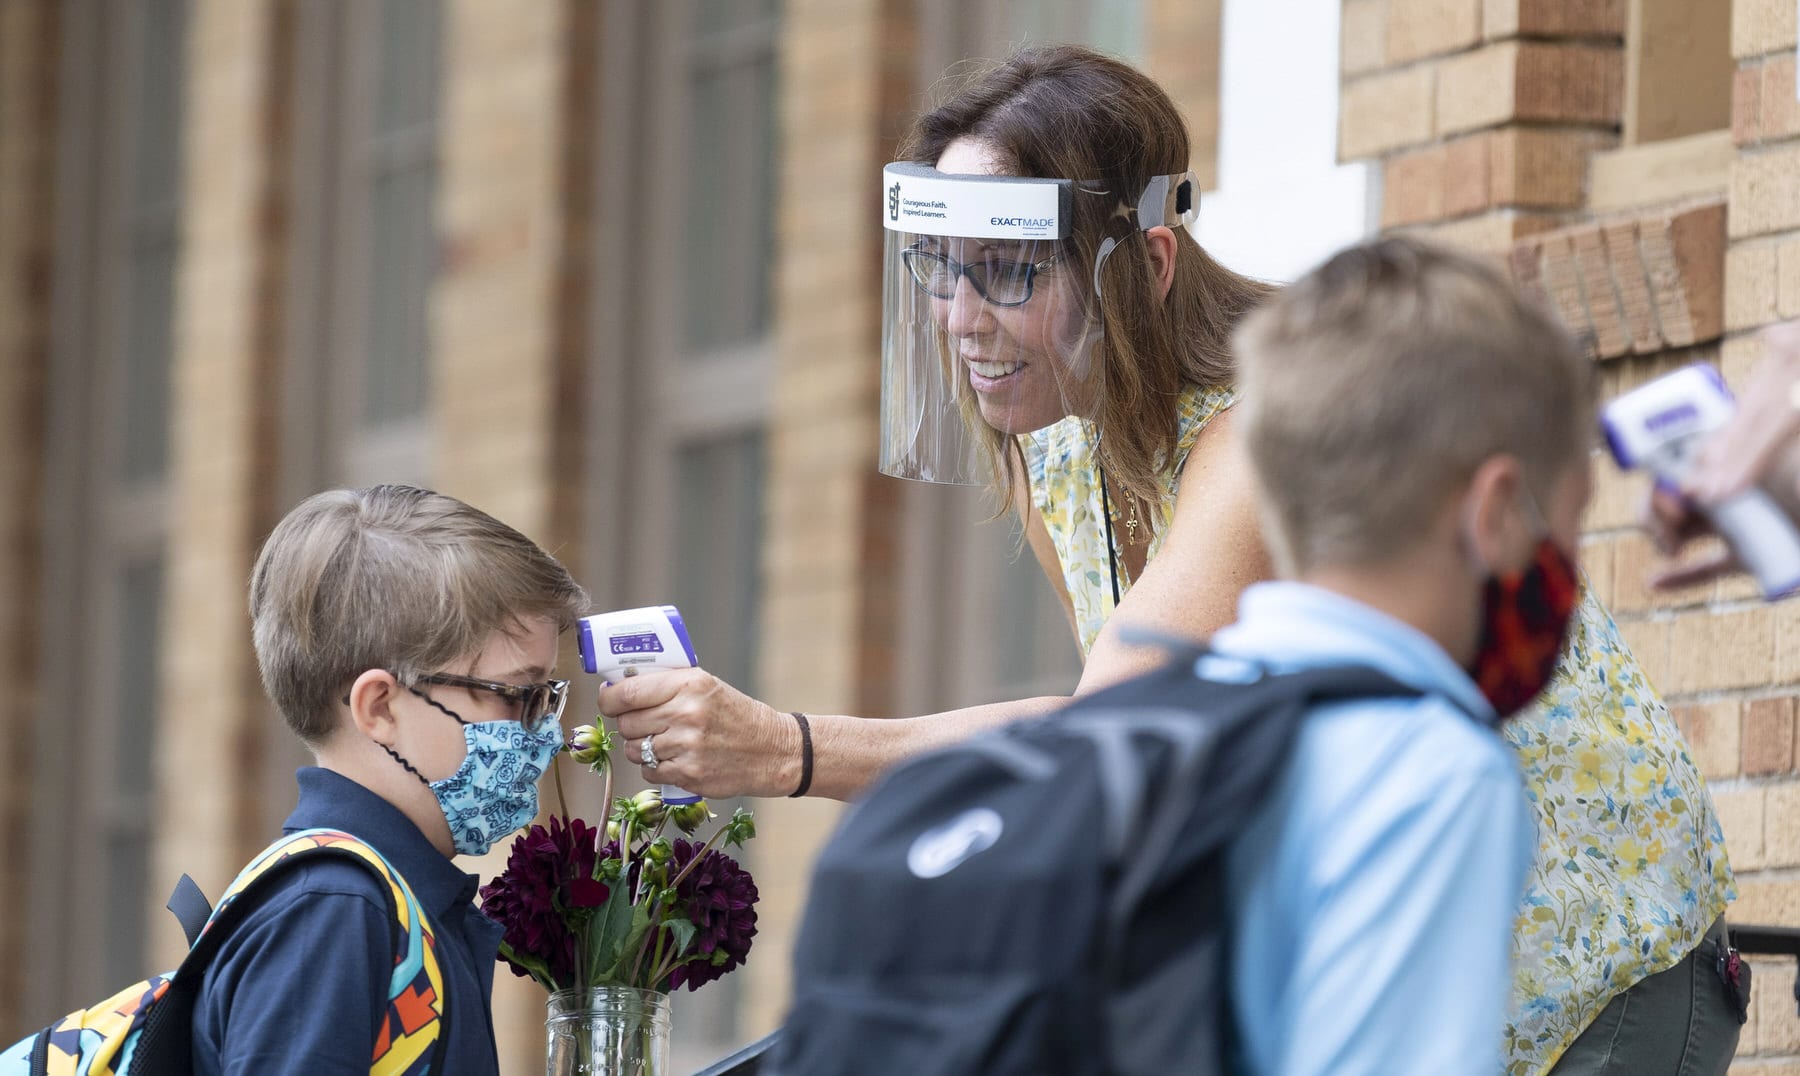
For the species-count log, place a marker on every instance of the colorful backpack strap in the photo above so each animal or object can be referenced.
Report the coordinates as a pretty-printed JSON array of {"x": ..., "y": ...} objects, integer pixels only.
[
  {"x": 148, "y": 1027},
  {"x": 411, "y": 1033}
]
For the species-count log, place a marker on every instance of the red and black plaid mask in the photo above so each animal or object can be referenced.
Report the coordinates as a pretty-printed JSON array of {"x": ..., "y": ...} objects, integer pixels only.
[{"x": 1524, "y": 617}]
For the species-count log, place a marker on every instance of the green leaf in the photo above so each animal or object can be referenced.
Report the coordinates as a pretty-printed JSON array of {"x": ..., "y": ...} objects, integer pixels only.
[
  {"x": 606, "y": 935},
  {"x": 634, "y": 940},
  {"x": 682, "y": 933}
]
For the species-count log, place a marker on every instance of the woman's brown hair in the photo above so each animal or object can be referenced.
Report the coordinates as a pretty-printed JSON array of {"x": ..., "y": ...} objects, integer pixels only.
[{"x": 1067, "y": 112}]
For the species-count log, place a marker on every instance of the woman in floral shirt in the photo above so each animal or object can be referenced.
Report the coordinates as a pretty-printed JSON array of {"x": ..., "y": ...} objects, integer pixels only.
[{"x": 1161, "y": 526}]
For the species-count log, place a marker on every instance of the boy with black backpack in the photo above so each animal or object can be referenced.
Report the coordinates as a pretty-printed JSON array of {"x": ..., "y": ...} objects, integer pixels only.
[
  {"x": 1302, "y": 849},
  {"x": 408, "y": 639}
]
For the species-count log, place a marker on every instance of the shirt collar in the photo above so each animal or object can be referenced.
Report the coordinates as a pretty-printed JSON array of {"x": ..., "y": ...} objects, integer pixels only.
[
  {"x": 1298, "y": 624},
  {"x": 329, "y": 800}
]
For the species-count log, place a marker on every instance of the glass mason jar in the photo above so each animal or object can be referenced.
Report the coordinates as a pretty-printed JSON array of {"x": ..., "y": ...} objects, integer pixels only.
[{"x": 608, "y": 1031}]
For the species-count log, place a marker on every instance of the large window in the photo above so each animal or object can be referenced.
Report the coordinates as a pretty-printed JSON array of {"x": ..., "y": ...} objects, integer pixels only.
[
  {"x": 119, "y": 183},
  {"x": 362, "y": 245},
  {"x": 685, "y": 252}
]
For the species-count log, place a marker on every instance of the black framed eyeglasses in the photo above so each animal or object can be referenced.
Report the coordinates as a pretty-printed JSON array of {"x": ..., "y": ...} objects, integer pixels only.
[
  {"x": 1001, "y": 281},
  {"x": 536, "y": 705}
]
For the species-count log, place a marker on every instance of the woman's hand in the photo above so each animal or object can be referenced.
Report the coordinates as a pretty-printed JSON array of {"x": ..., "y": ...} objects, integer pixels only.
[{"x": 708, "y": 736}]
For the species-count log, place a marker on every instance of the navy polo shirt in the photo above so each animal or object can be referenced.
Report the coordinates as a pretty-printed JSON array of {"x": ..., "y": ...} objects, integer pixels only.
[{"x": 302, "y": 984}]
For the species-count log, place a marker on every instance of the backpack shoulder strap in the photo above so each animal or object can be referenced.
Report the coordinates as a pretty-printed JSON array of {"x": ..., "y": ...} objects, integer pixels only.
[{"x": 412, "y": 1032}]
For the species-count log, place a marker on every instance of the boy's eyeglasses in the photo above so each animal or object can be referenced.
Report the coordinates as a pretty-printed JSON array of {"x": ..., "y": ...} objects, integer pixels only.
[
  {"x": 536, "y": 705},
  {"x": 1000, "y": 281}
]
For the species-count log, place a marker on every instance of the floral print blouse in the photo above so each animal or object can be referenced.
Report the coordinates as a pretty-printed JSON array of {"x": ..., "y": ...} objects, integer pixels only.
[{"x": 1630, "y": 869}]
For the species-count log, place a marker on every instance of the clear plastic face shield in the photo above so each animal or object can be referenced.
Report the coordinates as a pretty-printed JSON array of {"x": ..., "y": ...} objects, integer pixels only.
[{"x": 989, "y": 314}]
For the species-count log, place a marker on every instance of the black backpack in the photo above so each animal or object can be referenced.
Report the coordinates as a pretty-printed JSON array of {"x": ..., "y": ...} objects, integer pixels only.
[{"x": 1049, "y": 897}]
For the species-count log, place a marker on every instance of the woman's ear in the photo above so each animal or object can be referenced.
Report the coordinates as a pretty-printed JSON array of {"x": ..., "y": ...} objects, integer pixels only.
[
  {"x": 1501, "y": 538},
  {"x": 372, "y": 698},
  {"x": 1161, "y": 241}
]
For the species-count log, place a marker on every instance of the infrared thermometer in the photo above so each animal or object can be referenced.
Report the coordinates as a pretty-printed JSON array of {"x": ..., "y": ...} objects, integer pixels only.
[
  {"x": 634, "y": 642},
  {"x": 1661, "y": 427}
]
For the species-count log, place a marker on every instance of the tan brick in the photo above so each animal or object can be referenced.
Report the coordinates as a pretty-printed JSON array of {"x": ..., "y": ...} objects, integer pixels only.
[
  {"x": 1385, "y": 111},
  {"x": 1412, "y": 187},
  {"x": 1511, "y": 81},
  {"x": 1476, "y": 89},
  {"x": 1489, "y": 233},
  {"x": 1642, "y": 329},
  {"x": 1420, "y": 28},
  {"x": 1765, "y": 192},
  {"x": 1713, "y": 731},
  {"x": 1764, "y": 901},
  {"x": 1781, "y": 827},
  {"x": 1597, "y": 567},
  {"x": 1740, "y": 812},
  {"x": 1746, "y": 104},
  {"x": 1768, "y": 736},
  {"x": 1787, "y": 642},
  {"x": 1538, "y": 168},
  {"x": 1553, "y": 18},
  {"x": 1777, "y": 1024},
  {"x": 1714, "y": 651},
  {"x": 1737, "y": 357},
  {"x": 1362, "y": 37},
  {"x": 1637, "y": 561},
  {"x": 1761, "y": 26},
  {"x": 1779, "y": 115},
  {"x": 1469, "y": 172},
  {"x": 1787, "y": 280},
  {"x": 1648, "y": 641},
  {"x": 1750, "y": 275},
  {"x": 1618, "y": 497},
  {"x": 1683, "y": 255},
  {"x": 1606, "y": 318}
]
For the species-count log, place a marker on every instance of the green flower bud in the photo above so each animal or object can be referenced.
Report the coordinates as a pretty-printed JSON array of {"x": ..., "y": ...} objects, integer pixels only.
[
  {"x": 690, "y": 816},
  {"x": 591, "y": 746},
  {"x": 741, "y": 828},
  {"x": 660, "y": 851},
  {"x": 612, "y": 831},
  {"x": 648, "y": 807}
]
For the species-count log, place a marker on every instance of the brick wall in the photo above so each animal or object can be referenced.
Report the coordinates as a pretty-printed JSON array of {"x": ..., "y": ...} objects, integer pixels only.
[
  {"x": 27, "y": 68},
  {"x": 496, "y": 315},
  {"x": 1481, "y": 115},
  {"x": 1757, "y": 790},
  {"x": 1487, "y": 118},
  {"x": 209, "y": 694}
]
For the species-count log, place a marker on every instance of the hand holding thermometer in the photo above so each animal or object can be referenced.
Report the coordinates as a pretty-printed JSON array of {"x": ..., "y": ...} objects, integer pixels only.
[
  {"x": 632, "y": 642},
  {"x": 1662, "y": 425}
]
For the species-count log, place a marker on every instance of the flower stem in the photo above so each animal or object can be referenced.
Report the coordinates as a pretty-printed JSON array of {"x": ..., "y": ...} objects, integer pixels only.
[
  {"x": 698, "y": 856},
  {"x": 556, "y": 771}
]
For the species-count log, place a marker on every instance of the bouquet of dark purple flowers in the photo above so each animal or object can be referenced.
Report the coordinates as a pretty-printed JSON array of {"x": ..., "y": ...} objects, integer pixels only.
[{"x": 631, "y": 906}]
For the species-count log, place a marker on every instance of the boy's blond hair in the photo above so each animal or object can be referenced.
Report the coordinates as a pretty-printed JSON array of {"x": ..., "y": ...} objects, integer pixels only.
[
  {"x": 1376, "y": 384},
  {"x": 394, "y": 578}
]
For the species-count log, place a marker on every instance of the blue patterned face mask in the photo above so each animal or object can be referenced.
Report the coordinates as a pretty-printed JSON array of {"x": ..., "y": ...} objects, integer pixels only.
[{"x": 494, "y": 792}]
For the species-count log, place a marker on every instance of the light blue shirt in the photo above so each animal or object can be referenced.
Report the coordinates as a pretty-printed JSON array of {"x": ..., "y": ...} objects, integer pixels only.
[{"x": 1373, "y": 895}]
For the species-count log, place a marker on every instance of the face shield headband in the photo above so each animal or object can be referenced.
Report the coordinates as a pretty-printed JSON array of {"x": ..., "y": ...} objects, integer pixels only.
[{"x": 985, "y": 323}]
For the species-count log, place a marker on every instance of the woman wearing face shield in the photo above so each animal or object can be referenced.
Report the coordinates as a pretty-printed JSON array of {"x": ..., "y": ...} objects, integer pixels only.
[{"x": 1050, "y": 331}]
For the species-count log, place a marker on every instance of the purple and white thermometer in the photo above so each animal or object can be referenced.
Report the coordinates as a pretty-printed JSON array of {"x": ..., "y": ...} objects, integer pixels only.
[
  {"x": 632, "y": 642},
  {"x": 1662, "y": 425}
]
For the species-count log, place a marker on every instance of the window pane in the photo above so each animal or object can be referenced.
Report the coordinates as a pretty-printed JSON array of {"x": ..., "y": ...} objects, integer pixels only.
[
  {"x": 134, "y": 653},
  {"x": 127, "y": 866},
  {"x": 400, "y": 274},
  {"x": 157, "y": 125},
  {"x": 729, "y": 202},
  {"x": 403, "y": 182},
  {"x": 719, "y": 550},
  {"x": 146, "y": 345},
  {"x": 150, "y": 241},
  {"x": 712, "y": 17},
  {"x": 408, "y": 65}
]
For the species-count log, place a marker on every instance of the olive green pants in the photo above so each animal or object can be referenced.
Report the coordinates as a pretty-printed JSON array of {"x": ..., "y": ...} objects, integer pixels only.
[{"x": 1679, "y": 1022}]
